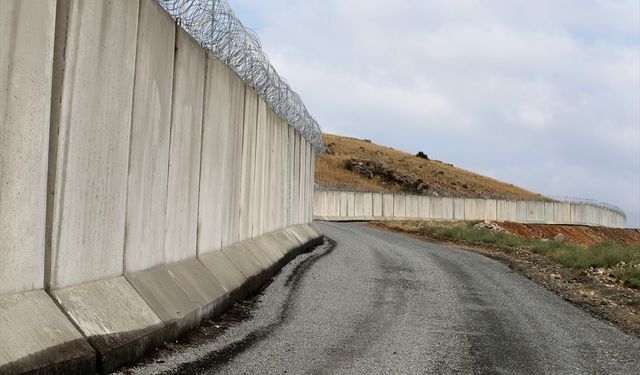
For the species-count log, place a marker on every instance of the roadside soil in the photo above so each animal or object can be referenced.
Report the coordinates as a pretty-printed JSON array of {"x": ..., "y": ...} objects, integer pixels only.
[
  {"x": 208, "y": 330},
  {"x": 577, "y": 234},
  {"x": 594, "y": 290}
]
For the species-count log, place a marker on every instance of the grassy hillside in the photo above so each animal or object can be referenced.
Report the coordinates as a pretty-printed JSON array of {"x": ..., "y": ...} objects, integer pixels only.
[{"x": 353, "y": 164}]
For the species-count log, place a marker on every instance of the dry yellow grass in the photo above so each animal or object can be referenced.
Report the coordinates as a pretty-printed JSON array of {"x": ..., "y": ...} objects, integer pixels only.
[{"x": 441, "y": 179}]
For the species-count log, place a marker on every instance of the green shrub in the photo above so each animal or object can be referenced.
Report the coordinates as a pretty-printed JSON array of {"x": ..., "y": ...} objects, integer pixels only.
[
  {"x": 605, "y": 254},
  {"x": 422, "y": 155}
]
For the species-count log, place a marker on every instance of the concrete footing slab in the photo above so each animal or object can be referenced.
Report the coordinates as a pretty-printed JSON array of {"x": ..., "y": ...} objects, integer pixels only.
[
  {"x": 178, "y": 313},
  {"x": 285, "y": 243},
  {"x": 271, "y": 249},
  {"x": 201, "y": 287},
  {"x": 295, "y": 235},
  {"x": 246, "y": 259},
  {"x": 36, "y": 335},
  {"x": 307, "y": 232},
  {"x": 226, "y": 273},
  {"x": 106, "y": 324},
  {"x": 114, "y": 318}
]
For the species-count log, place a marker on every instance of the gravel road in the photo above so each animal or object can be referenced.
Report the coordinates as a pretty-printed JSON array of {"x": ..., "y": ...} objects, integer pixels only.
[{"x": 382, "y": 303}]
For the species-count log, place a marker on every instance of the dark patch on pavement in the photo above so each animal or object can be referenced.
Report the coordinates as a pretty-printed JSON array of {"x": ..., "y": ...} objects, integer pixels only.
[{"x": 217, "y": 359}]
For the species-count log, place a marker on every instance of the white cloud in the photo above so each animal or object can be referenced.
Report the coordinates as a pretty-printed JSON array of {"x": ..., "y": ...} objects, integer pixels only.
[{"x": 544, "y": 94}]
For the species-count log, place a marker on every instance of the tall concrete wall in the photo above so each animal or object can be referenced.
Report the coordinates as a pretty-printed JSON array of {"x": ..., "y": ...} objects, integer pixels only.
[
  {"x": 143, "y": 185},
  {"x": 334, "y": 205}
]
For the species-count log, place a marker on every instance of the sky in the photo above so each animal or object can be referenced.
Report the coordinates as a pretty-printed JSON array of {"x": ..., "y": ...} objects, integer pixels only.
[{"x": 542, "y": 94}]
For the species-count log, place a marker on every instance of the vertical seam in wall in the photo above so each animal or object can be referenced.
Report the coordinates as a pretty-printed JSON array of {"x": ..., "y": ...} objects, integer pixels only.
[
  {"x": 202, "y": 119},
  {"x": 240, "y": 153},
  {"x": 126, "y": 202},
  {"x": 173, "y": 94},
  {"x": 57, "y": 84},
  {"x": 255, "y": 155}
]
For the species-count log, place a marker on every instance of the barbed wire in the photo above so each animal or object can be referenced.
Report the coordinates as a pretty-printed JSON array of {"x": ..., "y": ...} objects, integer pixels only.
[
  {"x": 590, "y": 202},
  {"x": 215, "y": 26}
]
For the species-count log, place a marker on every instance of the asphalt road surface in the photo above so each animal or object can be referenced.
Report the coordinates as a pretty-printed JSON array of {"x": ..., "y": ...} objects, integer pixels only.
[{"x": 382, "y": 303}]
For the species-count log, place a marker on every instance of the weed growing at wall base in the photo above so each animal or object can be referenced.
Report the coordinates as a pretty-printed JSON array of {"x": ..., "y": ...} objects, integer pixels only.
[{"x": 623, "y": 261}]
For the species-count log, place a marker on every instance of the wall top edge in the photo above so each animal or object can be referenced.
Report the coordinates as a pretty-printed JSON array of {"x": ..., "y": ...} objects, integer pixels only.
[
  {"x": 550, "y": 199},
  {"x": 214, "y": 25}
]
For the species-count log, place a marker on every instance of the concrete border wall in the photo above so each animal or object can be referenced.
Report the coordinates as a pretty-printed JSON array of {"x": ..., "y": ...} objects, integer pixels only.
[
  {"x": 144, "y": 187},
  {"x": 333, "y": 206}
]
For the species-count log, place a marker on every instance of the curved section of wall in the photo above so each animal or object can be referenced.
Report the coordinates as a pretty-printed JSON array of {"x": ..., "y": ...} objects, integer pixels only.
[
  {"x": 144, "y": 186},
  {"x": 345, "y": 206}
]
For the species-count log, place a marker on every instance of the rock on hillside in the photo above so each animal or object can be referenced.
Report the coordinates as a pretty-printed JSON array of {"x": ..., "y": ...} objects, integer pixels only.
[{"x": 354, "y": 164}]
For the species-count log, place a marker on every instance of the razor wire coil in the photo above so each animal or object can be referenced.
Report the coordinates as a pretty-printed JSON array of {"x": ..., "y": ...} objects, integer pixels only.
[
  {"x": 215, "y": 26},
  {"x": 589, "y": 202}
]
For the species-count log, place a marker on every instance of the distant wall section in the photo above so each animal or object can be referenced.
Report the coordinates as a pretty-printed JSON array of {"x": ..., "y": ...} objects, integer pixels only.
[{"x": 344, "y": 206}]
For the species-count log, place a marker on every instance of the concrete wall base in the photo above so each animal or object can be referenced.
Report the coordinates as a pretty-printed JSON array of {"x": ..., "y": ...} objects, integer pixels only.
[
  {"x": 114, "y": 318},
  {"x": 178, "y": 313},
  {"x": 201, "y": 287},
  {"x": 234, "y": 282},
  {"x": 107, "y": 324},
  {"x": 35, "y": 335}
]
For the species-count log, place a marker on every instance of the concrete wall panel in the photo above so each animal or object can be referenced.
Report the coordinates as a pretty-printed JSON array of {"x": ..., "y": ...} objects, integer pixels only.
[
  {"x": 320, "y": 204},
  {"x": 367, "y": 205},
  {"x": 296, "y": 181},
  {"x": 412, "y": 206},
  {"x": 233, "y": 163},
  {"x": 447, "y": 208},
  {"x": 328, "y": 201},
  {"x": 490, "y": 209},
  {"x": 248, "y": 162},
  {"x": 435, "y": 208},
  {"x": 215, "y": 132},
  {"x": 470, "y": 209},
  {"x": 481, "y": 207},
  {"x": 521, "y": 212},
  {"x": 285, "y": 172},
  {"x": 291, "y": 174},
  {"x": 377, "y": 205},
  {"x": 578, "y": 213},
  {"x": 351, "y": 204},
  {"x": 150, "y": 132},
  {"x": 399, "y": 206},
  {"x": 387, "y": 205},
  {"x": 258, "y": 192},
  {"x": 344, "y": 208},
  {"x": 424, "y": 207},
  {"x": 548, "y": 212},
  {"x": 458, "y": 208},
  {"x": 92, "y": 121},
  {"x": 359, "y": 204},
  {"x": 310, "y": 182},
  {"x": 25, "y": 89},
  {"x": 184, "y": 159},
  {"x": 535, "y": 212}
]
